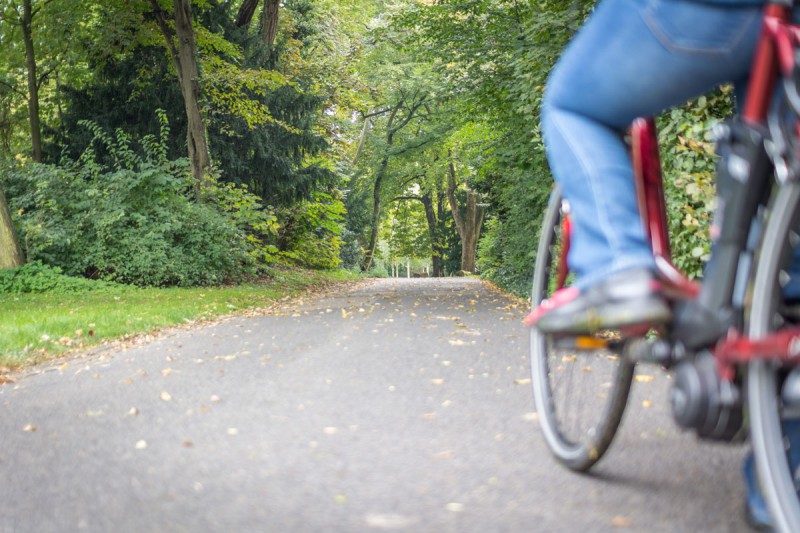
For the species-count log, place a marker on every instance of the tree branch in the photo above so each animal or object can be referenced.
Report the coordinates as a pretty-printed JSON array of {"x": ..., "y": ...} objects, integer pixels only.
[
  {"x": 162, "y": 24},
  {"x": 400, "y": 198},
  {"x": 375, "y": 113},
  {"x": 14, "y": 89},
  {"x": 361, "y": 140}
]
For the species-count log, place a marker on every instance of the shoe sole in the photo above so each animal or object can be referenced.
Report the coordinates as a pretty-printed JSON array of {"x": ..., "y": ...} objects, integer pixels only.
[{"x": 648, "y": 311}]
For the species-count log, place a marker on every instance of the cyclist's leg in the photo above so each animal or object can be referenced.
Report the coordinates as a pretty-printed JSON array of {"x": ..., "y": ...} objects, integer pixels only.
[{"x": 633, "y": 58}]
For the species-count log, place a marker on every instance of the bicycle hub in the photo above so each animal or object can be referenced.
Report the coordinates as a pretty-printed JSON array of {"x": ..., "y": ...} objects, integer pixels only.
[{"x": 702, "y": 401}]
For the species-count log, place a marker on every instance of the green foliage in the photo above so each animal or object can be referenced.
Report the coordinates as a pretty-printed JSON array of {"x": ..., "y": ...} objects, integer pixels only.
[
  {"x": 407, "y": 231},
  {"x": 260, "y": 225},
  {"x": 36, "y": 277},
  {"x": 689, "y": 164},
  {"x": 350, "y": 252},
  {"x": 134, "y": 221},
  {"x": 310, "y": 233},
  {"x": 507, "y": 249},
  {"x": 495, "y": 58}
]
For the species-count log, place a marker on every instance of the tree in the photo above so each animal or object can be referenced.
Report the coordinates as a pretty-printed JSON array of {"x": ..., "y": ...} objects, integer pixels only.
[
  {"x": 432, "y": 198},
  {"x": 185, "y": 56},
  {"x": 408, "y": 106},
  {"x": 10, "y": 253},
  {"x": 269, "y": 18},
  {"x": 469, "y": 225},
  {"x": 43, "y": 26},
  {"x": 496, "y": 57}
]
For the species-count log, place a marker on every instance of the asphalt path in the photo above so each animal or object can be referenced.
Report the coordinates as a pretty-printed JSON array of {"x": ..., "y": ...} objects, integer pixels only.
[{"x": 391, "y": 405}]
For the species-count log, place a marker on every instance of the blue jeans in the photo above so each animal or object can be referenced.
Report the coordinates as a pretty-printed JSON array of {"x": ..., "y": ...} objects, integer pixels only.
[{"x": 632, "y": 58}]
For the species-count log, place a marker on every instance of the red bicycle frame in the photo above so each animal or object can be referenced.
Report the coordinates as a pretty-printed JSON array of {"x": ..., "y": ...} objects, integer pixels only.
[{"x": 774, "y": 56}]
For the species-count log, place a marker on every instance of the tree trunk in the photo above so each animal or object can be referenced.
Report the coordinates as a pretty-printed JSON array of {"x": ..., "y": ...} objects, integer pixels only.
[
  {"x": 468, "y": 230},
  {"x": 472, "y": 230},
  {"x": 366, "y": 263},
  {"x": 269, "y": 21},
  {"x": 185, "y": 58},
  {"x": 190, "y": 87},
  {"x": 246, "y": 11},
  {"x": 10, "y": 253},
  {"x": 33, "y": 87},
  {"x": 437, "y": 247}
]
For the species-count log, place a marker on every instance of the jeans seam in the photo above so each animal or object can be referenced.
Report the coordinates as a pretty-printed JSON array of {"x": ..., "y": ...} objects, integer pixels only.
[{"x": 652, "y": 22}]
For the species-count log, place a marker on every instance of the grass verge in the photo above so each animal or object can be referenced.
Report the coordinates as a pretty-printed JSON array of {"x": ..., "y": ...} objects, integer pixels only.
[{"x": 40, "y": 326}]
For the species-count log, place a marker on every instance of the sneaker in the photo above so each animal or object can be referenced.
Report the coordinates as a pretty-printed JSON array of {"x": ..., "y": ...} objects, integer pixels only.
[{"x": 629, "y": 298}]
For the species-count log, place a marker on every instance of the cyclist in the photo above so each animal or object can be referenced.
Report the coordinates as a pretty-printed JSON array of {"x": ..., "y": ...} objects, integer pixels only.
[{"x": 632, "y": 58}]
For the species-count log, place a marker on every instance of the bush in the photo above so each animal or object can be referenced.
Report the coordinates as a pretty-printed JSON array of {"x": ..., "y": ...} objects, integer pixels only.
[
  {"x": 310, "y": 232},
  {"x": 137, "y": 222},
  {"x": 689, "y": 163},
  {"x": 36, "y": 277}
]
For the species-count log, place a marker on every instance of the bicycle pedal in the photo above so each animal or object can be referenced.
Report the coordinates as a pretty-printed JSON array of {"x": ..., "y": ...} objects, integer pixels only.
[{"x": 582, "y": 342}]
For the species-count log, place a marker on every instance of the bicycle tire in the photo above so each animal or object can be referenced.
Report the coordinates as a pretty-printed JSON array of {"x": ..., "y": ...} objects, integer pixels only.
[
  {"x": 577, "y": 444},
  {"x": 765, "y": 407}
]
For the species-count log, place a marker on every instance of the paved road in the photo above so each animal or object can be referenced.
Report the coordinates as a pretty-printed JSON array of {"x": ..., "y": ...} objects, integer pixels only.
[{"x": 393, "y": 406}]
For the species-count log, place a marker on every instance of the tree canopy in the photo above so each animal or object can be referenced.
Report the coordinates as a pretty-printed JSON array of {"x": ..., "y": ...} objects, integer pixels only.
[{"x": 360, "y": 133}]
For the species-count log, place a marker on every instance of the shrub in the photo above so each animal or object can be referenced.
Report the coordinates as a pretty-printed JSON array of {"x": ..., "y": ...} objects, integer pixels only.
[
  {"x": 37, "y": 277},
  {"x": 310, "y": 232},
  {"x": 136, "y": 222}
]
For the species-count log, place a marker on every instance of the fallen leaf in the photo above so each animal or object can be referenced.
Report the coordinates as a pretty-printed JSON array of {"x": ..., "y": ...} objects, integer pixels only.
[
  {"x": 647, "y": 403},
  {"x": 188, "y": 444},
  {"x": 166, "y": 372},
  {"x": 437, "y": 381},
  {"x": 523, "y": 381},
  {"x": 621, "y": 521},
  {"x": 30, "y": 428},
  {"x": 166, "y": 396},
  {"x": 133, "y": 411}
]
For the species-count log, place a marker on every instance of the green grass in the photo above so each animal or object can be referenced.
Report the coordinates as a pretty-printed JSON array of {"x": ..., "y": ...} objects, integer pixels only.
[{"x": 38, "y": 327}]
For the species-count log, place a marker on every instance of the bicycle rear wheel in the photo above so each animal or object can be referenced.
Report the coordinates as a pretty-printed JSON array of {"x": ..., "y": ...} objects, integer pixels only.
[
  {"x": 580, "y": 394},
  {"x": 767, "y": 411}
]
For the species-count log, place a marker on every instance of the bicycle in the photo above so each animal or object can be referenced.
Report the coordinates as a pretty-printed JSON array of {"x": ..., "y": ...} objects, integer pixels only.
[{"x": 730, "y": 343}]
